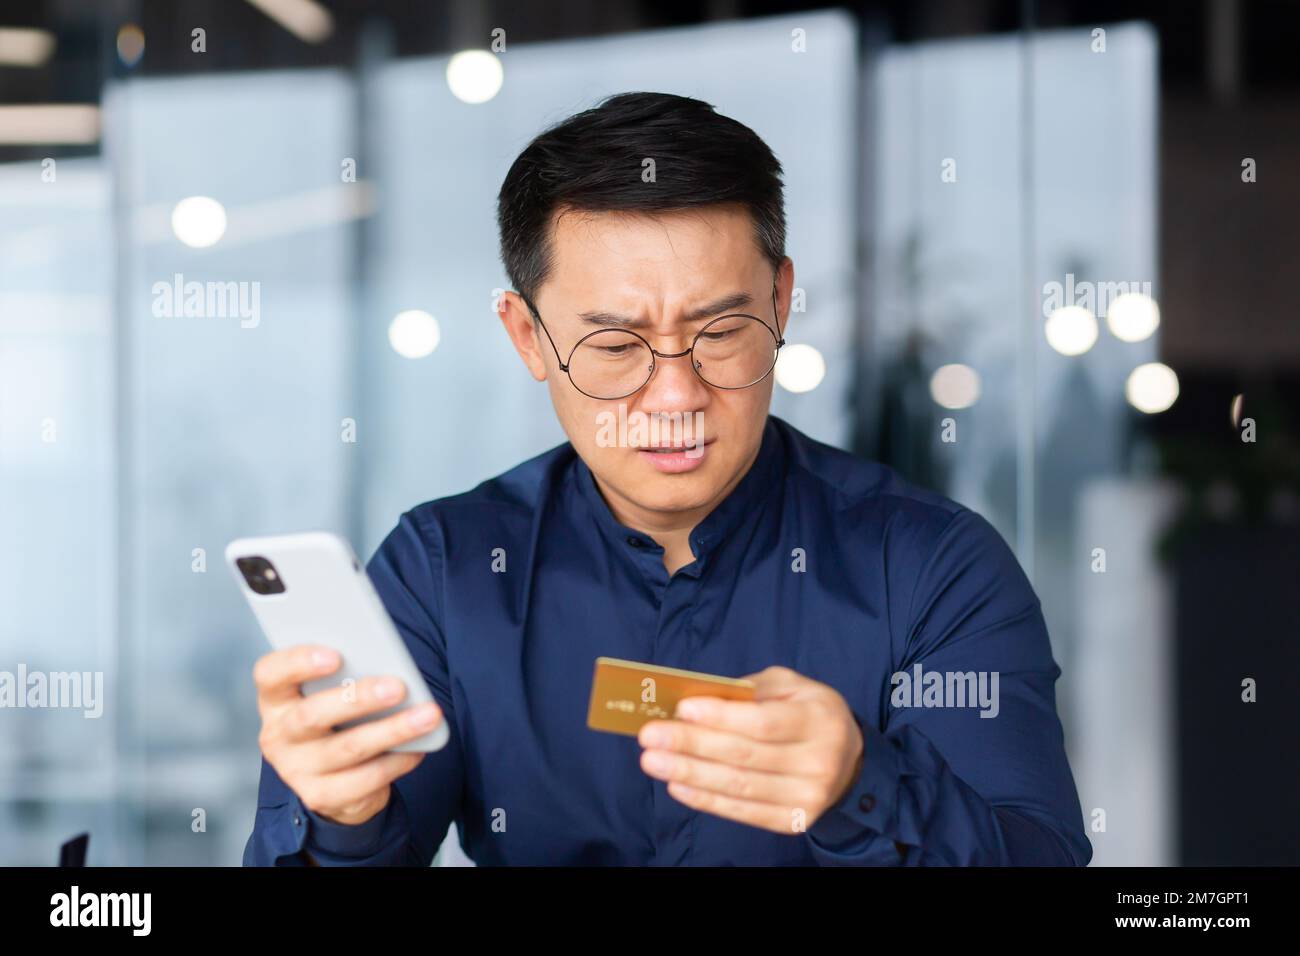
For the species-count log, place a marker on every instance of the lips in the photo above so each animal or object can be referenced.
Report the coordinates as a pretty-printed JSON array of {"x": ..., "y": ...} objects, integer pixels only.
[
  {"x": 674, "y": 459},
  {"x": 670, "y": 449}
]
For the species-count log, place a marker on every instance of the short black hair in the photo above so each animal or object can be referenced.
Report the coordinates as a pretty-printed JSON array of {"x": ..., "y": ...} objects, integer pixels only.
[{"x": 592, "y": 162}]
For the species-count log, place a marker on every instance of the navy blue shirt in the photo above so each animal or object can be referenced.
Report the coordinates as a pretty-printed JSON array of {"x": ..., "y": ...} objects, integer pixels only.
[{"x": 818, "y": 561}]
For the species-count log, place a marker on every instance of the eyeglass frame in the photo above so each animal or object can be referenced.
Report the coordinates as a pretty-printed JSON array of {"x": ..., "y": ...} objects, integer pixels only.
[{"x": 655, "y": 354}]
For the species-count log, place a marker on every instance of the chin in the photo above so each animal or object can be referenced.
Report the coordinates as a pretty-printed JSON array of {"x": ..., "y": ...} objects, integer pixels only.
[
  {"x": 673, "y": 498},
  {"x": 682, "y": 492}
]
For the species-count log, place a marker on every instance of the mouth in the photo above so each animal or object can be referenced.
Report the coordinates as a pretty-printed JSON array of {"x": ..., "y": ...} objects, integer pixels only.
[
  {"x": 656, "y": 449},
  {"x": 669, "y": 446},
  {"x": 675, "y": 458}
]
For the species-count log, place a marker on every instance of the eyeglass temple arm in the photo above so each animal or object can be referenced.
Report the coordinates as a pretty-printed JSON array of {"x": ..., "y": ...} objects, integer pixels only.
[
  {"x": 776, "y": 317},
  {"x": 564, "y": 367}
]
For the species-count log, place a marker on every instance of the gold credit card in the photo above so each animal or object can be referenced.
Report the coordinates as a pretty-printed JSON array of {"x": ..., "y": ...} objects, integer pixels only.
[{"x": 625, "y": 694}]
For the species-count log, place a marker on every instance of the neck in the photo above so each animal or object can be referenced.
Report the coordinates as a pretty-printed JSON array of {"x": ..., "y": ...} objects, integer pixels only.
[{"x": 671, "y": 530}]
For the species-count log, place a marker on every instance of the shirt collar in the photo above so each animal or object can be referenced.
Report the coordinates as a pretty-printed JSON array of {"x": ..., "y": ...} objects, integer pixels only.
[{"x": 742, "y": 504}]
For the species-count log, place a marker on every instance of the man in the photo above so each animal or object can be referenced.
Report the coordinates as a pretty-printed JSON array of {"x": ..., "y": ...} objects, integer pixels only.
[{"x": 729, "y": 543}]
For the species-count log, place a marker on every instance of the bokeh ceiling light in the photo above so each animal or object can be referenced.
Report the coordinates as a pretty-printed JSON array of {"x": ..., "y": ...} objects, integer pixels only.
[
  {"x": 1071, "y": 330},
  {"x": 1152, "y": 387},
  {"x": 1133, "y": 317},
  {"x": 414, "y": 334},
  {"x": 305, "y": 19},
  {"x": 1238, "y": 406},
  {"x": 800, "y": 368},
  {"x": 474, "y": 76},
  {"x": 130, "y": 44},
  {"x": 955, "y": 386},
  {"x": 49, "y": 123},
  {"x": 199, "y": 221},
  {"x": 24, "y": 46}
]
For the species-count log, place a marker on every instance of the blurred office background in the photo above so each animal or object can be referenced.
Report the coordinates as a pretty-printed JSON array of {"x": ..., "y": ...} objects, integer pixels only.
[{"x": 972, "y": 186}]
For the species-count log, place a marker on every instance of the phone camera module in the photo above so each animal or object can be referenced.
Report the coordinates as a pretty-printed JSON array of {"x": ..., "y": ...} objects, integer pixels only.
[{"x": 260, "y": 575}]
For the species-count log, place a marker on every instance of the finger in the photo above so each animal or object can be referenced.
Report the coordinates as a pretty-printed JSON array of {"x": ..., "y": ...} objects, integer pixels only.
[
  {"x": 766, "y": 816},
  {"x": 737, "y": 782},
  {"x": 318, "y": 714},
  {"x": 775, "y": 721},
  {"x": 280, "y": 674},
  {"x": 350, "y": 786},
  {"x": 726, "y": 747},
  {"x": 351, "y": 747},
  {"x": 776, "y": 682}
]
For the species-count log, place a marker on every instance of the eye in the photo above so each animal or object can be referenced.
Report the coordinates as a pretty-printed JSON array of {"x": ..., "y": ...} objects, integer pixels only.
[
  {"x": 724, "y": 330},
  {"x": 613, "y": 351}
]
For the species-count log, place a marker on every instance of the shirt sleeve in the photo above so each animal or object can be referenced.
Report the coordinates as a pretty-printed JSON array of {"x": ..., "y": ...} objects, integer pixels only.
[
  {"x": 424, "y": 802},
  {"x": 285, "y": 831},
  {"x": 987, "y": 783}
]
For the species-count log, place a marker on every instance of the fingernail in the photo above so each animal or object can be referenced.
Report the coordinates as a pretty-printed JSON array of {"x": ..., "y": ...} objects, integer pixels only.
[
  {"x": 386, "y": 689},
  {"x": 423, "y": 716},
  {"x": 688, "y": 710},
  {"x": 323, "y": 658}
]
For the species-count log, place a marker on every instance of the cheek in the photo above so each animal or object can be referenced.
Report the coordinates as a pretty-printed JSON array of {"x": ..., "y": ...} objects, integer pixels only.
[
  {"x": 739, "y": 414},
  {"x": 581, "y": 418}
]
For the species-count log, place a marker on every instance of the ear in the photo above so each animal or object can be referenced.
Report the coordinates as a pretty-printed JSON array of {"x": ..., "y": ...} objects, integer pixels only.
[{"x": 524, "y": 333}]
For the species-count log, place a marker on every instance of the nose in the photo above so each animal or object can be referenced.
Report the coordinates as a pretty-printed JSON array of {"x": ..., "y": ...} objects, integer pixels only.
[{"x": 674, "y": 386}]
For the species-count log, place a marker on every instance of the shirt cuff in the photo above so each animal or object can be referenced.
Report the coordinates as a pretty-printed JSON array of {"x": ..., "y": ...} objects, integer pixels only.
[
  {"x": 327, "y": 840},
  {"x": 277, "y": 836},
  {"x": 865, "y": 812}
]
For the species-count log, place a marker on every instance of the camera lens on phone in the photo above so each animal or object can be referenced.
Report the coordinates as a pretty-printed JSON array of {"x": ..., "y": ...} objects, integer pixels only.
[{"x": 260, "y": 574}]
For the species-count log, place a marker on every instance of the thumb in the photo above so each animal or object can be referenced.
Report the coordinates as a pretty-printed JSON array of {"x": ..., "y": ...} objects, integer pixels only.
[{"x": 776, "y": 682}]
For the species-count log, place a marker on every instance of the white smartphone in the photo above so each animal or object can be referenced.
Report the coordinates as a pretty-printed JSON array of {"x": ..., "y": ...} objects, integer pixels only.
[{"x": 310, "y": 589}]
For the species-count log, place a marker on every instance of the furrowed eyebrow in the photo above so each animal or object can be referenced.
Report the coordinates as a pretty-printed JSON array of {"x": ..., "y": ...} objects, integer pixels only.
[{"x": 728, "y": 303}]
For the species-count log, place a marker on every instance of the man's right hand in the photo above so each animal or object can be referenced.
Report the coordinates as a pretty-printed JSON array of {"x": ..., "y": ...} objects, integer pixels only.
[{"x": 343, "y": 775}]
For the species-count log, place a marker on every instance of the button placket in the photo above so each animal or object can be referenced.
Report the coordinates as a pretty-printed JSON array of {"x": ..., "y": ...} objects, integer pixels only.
[{"x": 674, "y": 821}]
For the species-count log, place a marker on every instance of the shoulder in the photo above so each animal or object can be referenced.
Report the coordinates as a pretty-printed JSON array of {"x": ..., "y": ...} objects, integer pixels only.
[
  {"x": 920, "y": 533},
  {"x": 508, "y": 501},
  {"x": 944, "y": 561},
  {"x": 861, "y": 491}
]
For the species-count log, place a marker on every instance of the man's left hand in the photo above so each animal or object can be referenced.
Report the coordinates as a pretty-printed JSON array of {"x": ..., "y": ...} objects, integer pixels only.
[{"x": 777, "y": 762}]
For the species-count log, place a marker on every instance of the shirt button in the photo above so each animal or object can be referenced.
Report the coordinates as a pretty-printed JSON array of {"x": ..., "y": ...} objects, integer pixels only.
[
  {"x": 297, "y": 820},
  {"x": 867, "y": 802}
]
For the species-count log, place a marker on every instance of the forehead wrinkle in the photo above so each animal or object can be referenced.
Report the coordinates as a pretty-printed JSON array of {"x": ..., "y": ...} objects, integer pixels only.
[
  {"x": 731, "y": 302},
  {"x": 589, "y": 220}
]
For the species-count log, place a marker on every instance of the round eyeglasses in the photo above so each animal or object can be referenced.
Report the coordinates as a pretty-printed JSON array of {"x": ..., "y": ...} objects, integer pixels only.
[{"x": 732, "y": 351}]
